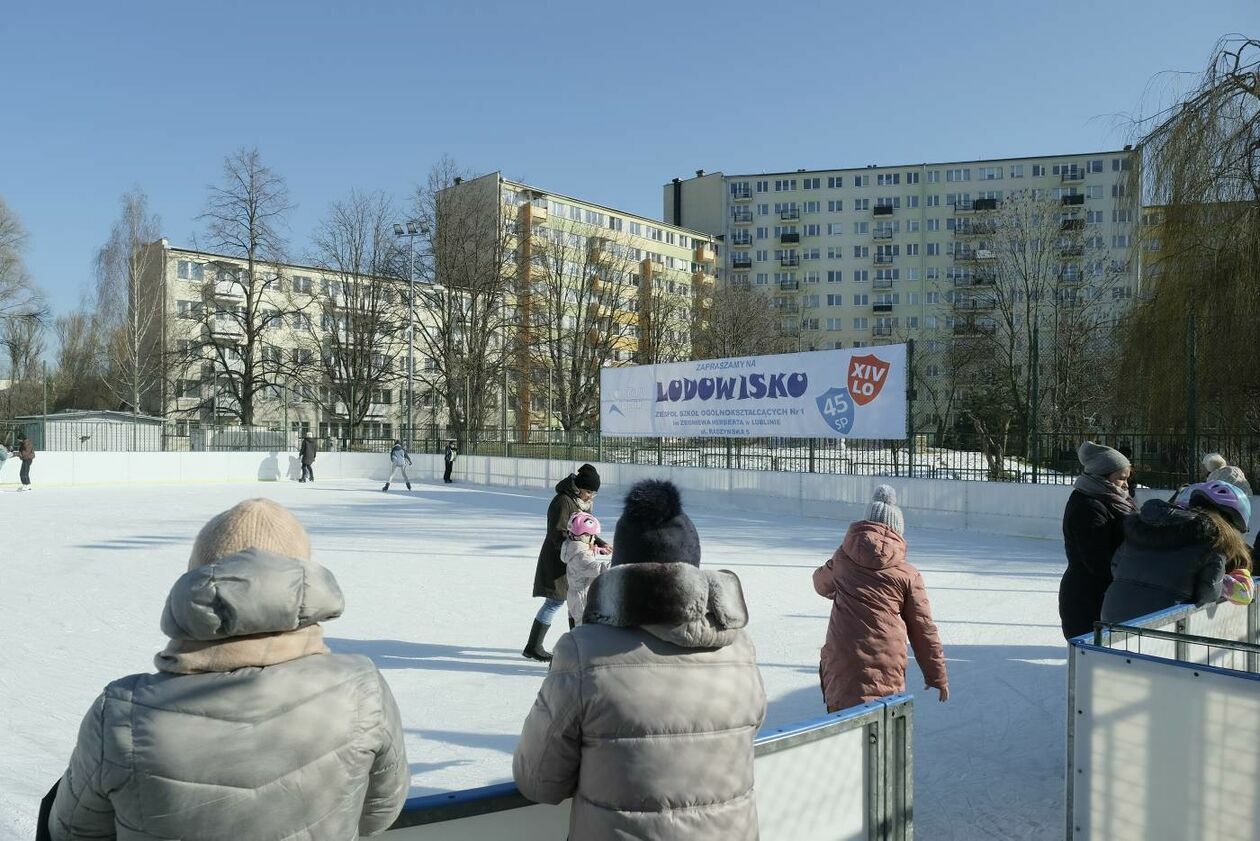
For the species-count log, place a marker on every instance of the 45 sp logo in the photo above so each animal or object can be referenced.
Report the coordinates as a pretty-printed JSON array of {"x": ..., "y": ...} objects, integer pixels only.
[{"x": 836, "y": 408}]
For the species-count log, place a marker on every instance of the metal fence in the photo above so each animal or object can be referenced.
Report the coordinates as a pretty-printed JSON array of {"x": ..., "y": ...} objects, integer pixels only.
[{"x": 1158, "y": 460}]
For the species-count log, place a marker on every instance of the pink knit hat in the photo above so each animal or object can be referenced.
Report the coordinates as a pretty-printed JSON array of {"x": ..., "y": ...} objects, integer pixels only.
[{"x": 252, "y": 524}]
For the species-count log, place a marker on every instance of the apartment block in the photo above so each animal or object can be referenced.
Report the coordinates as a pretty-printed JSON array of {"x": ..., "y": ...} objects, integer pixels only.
[
  {"x": 199, "y": 299},
  {"x": 877, "y": 254},
  {"x": 622, "y": 288}
]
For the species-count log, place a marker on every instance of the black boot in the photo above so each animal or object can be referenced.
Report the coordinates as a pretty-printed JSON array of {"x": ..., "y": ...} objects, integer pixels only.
[
  {"x": 534, "y": 649},
  {"x": 408, "y": 486},
  {"x": 386, "y": 487},
  {"x": 572, "y": 624}
]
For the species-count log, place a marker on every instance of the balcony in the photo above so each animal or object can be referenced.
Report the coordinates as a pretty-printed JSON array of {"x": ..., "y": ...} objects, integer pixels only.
[
  {"x": 741, "y": 193},
  {"x": 983, "y": 303},
  {"x": 741, "y": 264},
  {"x": 1073, "y": 199},
  {"x": 787, "y": 237},
  {"x": 882, "y": 283},
  {"x": 1072, "y": 250},
  {"x": 742, "y": 217},
  {"x": 882, "y": 330},
  {"x": 1073, "y": 277},
  {"x": 980, "y": 205},
  {"x": 964, "y": 207},
  {"x": 882, "y": 233},
  {"x": 789, "y": 215},
  {"x": 974, "y": 228},
  {"x": 881, "y": 308},
  {"x": 984, "y": 276},
  {"x": 703, "y": 254},
  {"x": 533, "y": 213},
  {"x": 882, "y": 210},
  {"x": 883, "y": 259},
  {"x": 974, "y": 328},
  {"x": 1072, "y": 225},
  {"x": 965, "y": 255},
  {"x": 228, "y": 290},
  {"x": 789, "y": 285},
  {"x": 226, "y": 330},
  {"x": 1072, "y": 175},
  {"x": 741, "y": 238},
  {"x": 790, "y": 260}
]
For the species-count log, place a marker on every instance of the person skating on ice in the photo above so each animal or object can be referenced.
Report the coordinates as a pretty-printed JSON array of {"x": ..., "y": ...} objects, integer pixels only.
[
  {"x": 877, "y": 600},
  {"x": 574, "y": 493},
  {"x": 307, "y": 452},
  {"x": 584, "y": 561},
  {"x": 452, "y": 452},
  {"x": 398, "y": 461},
  {"x": 26, "y": 455}
]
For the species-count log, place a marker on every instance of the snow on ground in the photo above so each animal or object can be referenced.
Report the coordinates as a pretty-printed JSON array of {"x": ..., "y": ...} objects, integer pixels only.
[{"x": 437, "y": 586}]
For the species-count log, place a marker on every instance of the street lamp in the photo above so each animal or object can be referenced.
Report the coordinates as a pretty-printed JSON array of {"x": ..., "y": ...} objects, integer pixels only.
[{"x": 410, "y": 230}]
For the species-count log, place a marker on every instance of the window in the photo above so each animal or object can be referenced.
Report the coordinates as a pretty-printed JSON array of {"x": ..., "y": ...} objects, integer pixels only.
[
  {"x": 861, "y": 227},
  {"x": 188, "y": 309},
  {"x": 1094, "y": 217},
  {"x": 1094, "y": 166},
  {"x": 835, "y": 276},
  {"x": 763, "y": 186},
  {"x": 615, "y": 223},
  {"x": 1120, "y": 241},
  {"x": 933, "y": 249},
  {"x": 188, "y": 388},
  {"x": 835, "y": 324},
  {"x": 912, "y": 201},
  {"x": 861, "y": 252},
  {"x": 300, "y": 321},
  {"x": 189, "y": 270},
  {"x": 812, "y": 276},
  {"x": 762, "y": 233},
  {"x": 302, "y": 283},
  {"x": 835, "y": 206},
  {"x": 1121, "y": 164},
  {"x": 931, "y": 297},
  {"x": 835, "y": 182},
  {"x": 835, "y": 252},
  {"x": 930, "y": 321},
  {"x": 784, "y": 185},
  {"x": 934, "y": 176},
  {"x": 812, "y": 207},
  {"x": 861, "y": 275},
  {"x": 835, "y": 300},
  {"x": 888, "y": 201},
  {"x": 958, "y": 174},
  {"x": 811, "y": 183},
  {"x": 762, "y": 278},
  {"x": 809, "y": 253},
  {"x": 912, "y": 249},
  {"x": 887, "y": 179},
  {"x": 1122, "y": 293},
  {"x": 912, "y": 178},
  {"x": 990, "y": 173},
  {"x": 835, "y": 229},
  {"x": 912, "y": 299},
  {"x": 1094, "y": 191},
  {"x": 301, "y": 356},
  {"x": 1017, "y": 170},
  {"x": 861, "y": 181},
  {"x": 1121, "y": 217},
  {"x": 912, "y": 225},
  {"x": 860, "y": 323},
  {"x": 861, "y": 300},
  {"x": 934, "y": 224},
  {"x": 1038, "y": 170},
  {"x": 1119, "y": 191},
  {"x": 763, "y": 210},
  {"x": 763, "y": 255},
  {"x": 932, "y": 201},
  {"x": 861, "y": 204}
]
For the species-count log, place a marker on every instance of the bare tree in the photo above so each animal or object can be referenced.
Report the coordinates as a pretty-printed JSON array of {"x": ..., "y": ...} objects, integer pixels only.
[
  {"x": 670, "y": 315},
  {"x": 242, "y": 303},
  {"x": 463, "y": 270},
  {"x": 23, "y": 342},
  {"x": 80, "y": 380},
  {"x": 1201, "y": 179},
  {"x": 128, "y": 278},
  {"x": 19, "y": 298},
  {"x": 362, "y": 329},
  {"x": 586, "y": 284},
  {"x": 741, "y": 322}
]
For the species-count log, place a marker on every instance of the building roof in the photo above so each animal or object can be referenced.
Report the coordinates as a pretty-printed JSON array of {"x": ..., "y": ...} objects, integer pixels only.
[{"x": 89, "y": 414}]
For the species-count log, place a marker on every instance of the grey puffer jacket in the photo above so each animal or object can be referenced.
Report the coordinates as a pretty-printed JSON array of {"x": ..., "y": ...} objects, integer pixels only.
[
  {"x": 648, "y": 714},
  {"x": 309, "y": 749},
  {"x": 1166, "y": 559}
]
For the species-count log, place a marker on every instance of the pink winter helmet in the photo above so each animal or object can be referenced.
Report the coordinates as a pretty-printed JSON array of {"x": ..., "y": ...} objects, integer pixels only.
[{"x": 582, "y": 523}]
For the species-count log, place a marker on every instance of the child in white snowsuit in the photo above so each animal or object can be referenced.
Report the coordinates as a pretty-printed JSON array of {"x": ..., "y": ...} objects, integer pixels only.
[{"x": 583, "y": 561}]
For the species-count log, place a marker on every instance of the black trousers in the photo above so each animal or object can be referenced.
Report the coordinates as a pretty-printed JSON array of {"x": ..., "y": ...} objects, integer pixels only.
[
  {"x": 307, "y": 473},
  {"x": 446, "y": 477},
  {"x": 26, "y": 473}
]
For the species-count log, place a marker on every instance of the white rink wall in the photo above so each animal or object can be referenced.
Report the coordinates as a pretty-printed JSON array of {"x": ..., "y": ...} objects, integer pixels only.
[{"x": 1022, "y": 510}]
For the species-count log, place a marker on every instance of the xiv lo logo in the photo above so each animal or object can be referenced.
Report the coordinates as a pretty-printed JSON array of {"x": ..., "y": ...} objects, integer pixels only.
[
  {"x": 836, "y": 409},
  {"x": 867, "y": 375}
]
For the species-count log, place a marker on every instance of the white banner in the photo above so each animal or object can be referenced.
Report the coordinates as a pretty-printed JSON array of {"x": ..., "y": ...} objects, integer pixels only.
[{"x": 858, "y": 393}]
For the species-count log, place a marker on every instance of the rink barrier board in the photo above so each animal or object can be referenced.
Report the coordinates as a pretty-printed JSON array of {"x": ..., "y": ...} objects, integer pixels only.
[
  {"x": 847, "y": 775},
  {"x": 991, "y": 507},
  {"x": 1179, "y": 680}
]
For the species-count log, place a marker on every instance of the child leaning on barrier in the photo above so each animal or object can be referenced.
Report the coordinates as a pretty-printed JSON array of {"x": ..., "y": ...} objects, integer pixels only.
[
  {"x": 878, "y": 600},
  {"x": 584, "y": 561}
]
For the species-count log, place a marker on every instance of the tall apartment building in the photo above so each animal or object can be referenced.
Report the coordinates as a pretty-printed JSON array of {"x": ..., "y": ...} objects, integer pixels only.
[
  {"x": 627, "y": 287},
  {"x": 878, "y": 254},
  {"x": 198, "y": 300}
]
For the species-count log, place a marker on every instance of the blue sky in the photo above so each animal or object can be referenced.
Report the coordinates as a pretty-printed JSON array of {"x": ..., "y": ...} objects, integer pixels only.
[{"x": 605, "y": 101}]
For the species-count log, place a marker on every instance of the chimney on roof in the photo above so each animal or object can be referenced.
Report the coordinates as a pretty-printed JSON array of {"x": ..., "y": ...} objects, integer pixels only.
[
  {"x": 699, "y": 173},
  {"x": 1128, "y": 147},
  {"x": 458, "y": 180}
]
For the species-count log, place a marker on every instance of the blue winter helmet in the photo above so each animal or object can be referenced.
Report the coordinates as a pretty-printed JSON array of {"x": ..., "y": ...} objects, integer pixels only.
[{"x": 1224, "y": 497}]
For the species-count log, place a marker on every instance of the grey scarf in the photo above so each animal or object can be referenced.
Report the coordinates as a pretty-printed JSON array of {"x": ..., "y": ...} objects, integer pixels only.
[{"x": 1100, "y": 488}]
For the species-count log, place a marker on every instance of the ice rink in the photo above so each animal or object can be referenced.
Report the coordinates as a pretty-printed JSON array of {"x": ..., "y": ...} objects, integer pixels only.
[{"x": 437, "y": 585}]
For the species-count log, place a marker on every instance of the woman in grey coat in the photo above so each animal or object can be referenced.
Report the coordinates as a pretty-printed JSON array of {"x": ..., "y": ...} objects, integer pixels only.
[
  {"x": 648, "y": 713},
  {"x": 251, "y": 729}
]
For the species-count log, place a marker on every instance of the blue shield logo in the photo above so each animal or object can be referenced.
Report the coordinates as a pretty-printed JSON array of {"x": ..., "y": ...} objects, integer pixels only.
[{"x": 836, "y": 408}]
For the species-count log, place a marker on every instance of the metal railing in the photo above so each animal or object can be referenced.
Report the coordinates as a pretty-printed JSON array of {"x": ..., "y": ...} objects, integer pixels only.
[{"x": 1159, "y": 460}]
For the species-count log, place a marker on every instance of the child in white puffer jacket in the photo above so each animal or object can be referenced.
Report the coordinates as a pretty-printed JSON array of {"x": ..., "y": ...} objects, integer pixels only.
[{"x": 584, "y": 561}]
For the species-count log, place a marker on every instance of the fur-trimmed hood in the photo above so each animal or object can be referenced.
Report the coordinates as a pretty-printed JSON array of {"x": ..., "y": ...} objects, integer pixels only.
[
  {"x": 1160, "y": 525},
  {"x": 678, "y": 603}
]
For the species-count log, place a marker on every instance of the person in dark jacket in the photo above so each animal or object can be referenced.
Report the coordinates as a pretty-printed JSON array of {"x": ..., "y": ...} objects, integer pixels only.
[
  {"x": 26, "y": 455},
  {"x": 1093, "y": 529},
  {"x": 574, "y": 493},
  {"x": 1178, "y": 553},
  {"x": 452, "y": 452},
  {"x": 307, "y": 451}
]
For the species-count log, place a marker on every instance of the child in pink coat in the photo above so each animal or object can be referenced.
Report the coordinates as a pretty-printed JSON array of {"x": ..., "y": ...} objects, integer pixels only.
[{"x": 878, "y": 599}]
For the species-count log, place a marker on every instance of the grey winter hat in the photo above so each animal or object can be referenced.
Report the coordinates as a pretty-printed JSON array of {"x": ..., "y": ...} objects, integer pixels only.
[
  {"x": 1100, "y": 460},
  {"x": 883, "y": 509},
  {"x": 653, "y": 528}
]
